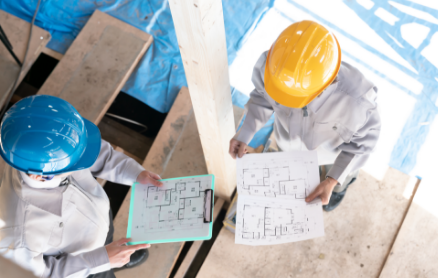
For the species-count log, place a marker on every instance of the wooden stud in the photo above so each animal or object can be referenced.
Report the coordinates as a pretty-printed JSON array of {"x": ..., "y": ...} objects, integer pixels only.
[{"x": 199, "y": 27}]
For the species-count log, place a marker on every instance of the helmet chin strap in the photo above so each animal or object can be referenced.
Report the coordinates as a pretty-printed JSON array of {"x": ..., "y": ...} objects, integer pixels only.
[{"x": 47, "y": 184}]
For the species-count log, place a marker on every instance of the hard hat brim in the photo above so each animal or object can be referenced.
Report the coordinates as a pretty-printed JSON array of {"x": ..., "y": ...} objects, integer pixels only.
[{"x": 92, "y": 149}]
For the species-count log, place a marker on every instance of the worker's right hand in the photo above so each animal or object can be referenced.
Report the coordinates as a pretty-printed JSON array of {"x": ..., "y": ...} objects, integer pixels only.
[
  {"x": 119, "y": 253},
  {"x": 237, "y": 148}
]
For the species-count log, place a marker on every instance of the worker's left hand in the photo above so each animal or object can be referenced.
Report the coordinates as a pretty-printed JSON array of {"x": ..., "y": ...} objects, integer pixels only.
[
  {"x": 323, "y": 190},
  {"x": 147, "y": 177}
]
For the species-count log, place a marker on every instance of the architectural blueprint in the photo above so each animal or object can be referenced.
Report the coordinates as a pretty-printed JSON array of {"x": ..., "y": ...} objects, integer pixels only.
[
  {"x": 172, "y": 211},
  {"x": 271, "y": 208}
]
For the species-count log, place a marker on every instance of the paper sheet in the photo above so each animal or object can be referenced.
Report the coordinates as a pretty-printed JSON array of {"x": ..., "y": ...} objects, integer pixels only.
[
  {"x": 172, "y": 212},
  {"x": 271, "y": 208}
]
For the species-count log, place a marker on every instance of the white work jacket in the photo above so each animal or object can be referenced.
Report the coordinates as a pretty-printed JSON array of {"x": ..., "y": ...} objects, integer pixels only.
[
  {"x": 342, "y": 124},
  {"x": 61, "y": 232}
]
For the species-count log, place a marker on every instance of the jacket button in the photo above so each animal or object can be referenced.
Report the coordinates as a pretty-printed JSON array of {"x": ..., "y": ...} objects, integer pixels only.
[
  {"x": 335, "y": 128},
  {"x": 61, "y": 225}
]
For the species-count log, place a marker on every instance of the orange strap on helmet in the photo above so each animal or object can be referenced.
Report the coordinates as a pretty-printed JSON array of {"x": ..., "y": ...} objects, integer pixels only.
[{"x": 302, "y": 62}]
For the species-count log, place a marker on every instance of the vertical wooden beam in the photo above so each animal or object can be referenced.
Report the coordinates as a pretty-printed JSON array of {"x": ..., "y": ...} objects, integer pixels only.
[{"x": 200, "y": 32}]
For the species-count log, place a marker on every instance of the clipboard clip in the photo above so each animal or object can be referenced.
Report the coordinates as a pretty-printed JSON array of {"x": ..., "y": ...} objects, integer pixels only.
[{"x": 208, "y": 206}]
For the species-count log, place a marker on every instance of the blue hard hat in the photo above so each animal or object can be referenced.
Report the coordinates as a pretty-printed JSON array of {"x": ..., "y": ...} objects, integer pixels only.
[{"x": 45, "y": 135}]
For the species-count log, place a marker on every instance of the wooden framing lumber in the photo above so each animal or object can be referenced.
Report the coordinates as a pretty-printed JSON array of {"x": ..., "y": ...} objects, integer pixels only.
[
  {"x": 17, "y": 31},
  {"x": 196, "y": 246},
  {"x": 199, "y": 27},
  {"x": 97, "y": 65}
]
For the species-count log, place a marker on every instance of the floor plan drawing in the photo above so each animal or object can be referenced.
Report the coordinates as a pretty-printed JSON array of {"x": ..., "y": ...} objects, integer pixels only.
[
  {"x": 271, "y": 207},
  {"x": 181, "y": 205},
  {"x": 178, "y": 205},
  {"x": 276, "y": 221},
  {"x": 275, "y": 178}
]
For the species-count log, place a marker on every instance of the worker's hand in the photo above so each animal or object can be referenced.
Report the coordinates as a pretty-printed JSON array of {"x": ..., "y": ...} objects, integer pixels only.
[
  {"x": 119, "y": 253},
  {"x": 323, "y": 190},
  {"x": 237, "y": 148},
  {"x": 147, "y": 177}
]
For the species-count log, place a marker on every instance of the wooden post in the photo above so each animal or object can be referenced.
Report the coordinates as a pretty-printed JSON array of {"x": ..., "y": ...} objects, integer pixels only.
[{"x": 200, "y": 32}]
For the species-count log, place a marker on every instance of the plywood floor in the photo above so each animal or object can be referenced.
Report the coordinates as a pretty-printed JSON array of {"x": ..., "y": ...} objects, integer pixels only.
[{"x": 359, "y": 235}]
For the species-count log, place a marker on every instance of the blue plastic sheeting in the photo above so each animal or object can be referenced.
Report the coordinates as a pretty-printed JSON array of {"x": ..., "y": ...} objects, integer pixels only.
[
  {"x": 160, "y": 74},
  {"x": 262, "y": 136},
  {"x": 414, "y": 133}
]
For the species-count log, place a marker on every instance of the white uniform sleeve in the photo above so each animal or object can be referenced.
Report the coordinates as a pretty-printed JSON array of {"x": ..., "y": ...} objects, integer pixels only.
[
  {"x": 355, "y": 153},
  {"x": 61, "y": 266},
  {"x": 258, "y": 110},
  {"x": 115, "y": 166}
]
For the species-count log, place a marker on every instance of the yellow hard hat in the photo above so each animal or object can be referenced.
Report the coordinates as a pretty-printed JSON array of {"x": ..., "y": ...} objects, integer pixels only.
[{"x": 302, "y": 62}]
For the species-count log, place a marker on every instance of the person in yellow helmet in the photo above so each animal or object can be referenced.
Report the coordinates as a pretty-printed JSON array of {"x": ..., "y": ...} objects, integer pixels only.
[{"x": 320, "y": 103}]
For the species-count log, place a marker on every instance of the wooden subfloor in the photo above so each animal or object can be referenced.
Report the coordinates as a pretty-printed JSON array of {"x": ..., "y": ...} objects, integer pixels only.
[
  {"x": 359, "y": 235},
  {"x": 415, "y": 251}
]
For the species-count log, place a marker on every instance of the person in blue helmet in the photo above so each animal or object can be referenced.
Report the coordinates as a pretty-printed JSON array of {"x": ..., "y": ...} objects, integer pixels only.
[{"x": 56, "y": 218}]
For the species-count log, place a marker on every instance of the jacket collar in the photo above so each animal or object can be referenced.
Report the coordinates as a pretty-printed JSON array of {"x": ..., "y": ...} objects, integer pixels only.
[
  {"x": 319, "y": 101},
  {"x": 49, "y": 200}
]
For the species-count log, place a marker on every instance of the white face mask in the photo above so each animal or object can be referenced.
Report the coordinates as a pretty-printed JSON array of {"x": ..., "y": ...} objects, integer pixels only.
[{"x": 41, "y": 184}]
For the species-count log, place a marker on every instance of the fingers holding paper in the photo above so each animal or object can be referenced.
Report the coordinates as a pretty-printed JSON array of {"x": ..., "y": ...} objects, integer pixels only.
[
  {"x": 323, "y": 190},
  {"x": 147, "y": 177}
]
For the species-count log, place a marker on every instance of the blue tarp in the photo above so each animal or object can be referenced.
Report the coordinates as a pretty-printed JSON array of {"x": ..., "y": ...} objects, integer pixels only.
[{"x": 160, "y": 74}]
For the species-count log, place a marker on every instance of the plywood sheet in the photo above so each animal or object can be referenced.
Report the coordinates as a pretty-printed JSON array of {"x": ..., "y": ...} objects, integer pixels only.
[
  {"x": 358, "y": 237},
  {"x": 97, "y": 65},
  {"x": 17, "y": 31},
  {"x": 415, "y": 251}
]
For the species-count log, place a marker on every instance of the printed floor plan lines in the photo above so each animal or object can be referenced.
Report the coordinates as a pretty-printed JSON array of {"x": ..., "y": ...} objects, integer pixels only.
[
  {"x": 183, "y": 202},
  {"x": 273, "y": 223},
  {"x": 275, "y": 179},
  {"x": 178, "y": 204},
  {"x": 271, "y": 207}
]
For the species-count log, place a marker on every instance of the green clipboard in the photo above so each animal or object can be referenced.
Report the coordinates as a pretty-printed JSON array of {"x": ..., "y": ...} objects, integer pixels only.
[{"x": 172, "y": 213}]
